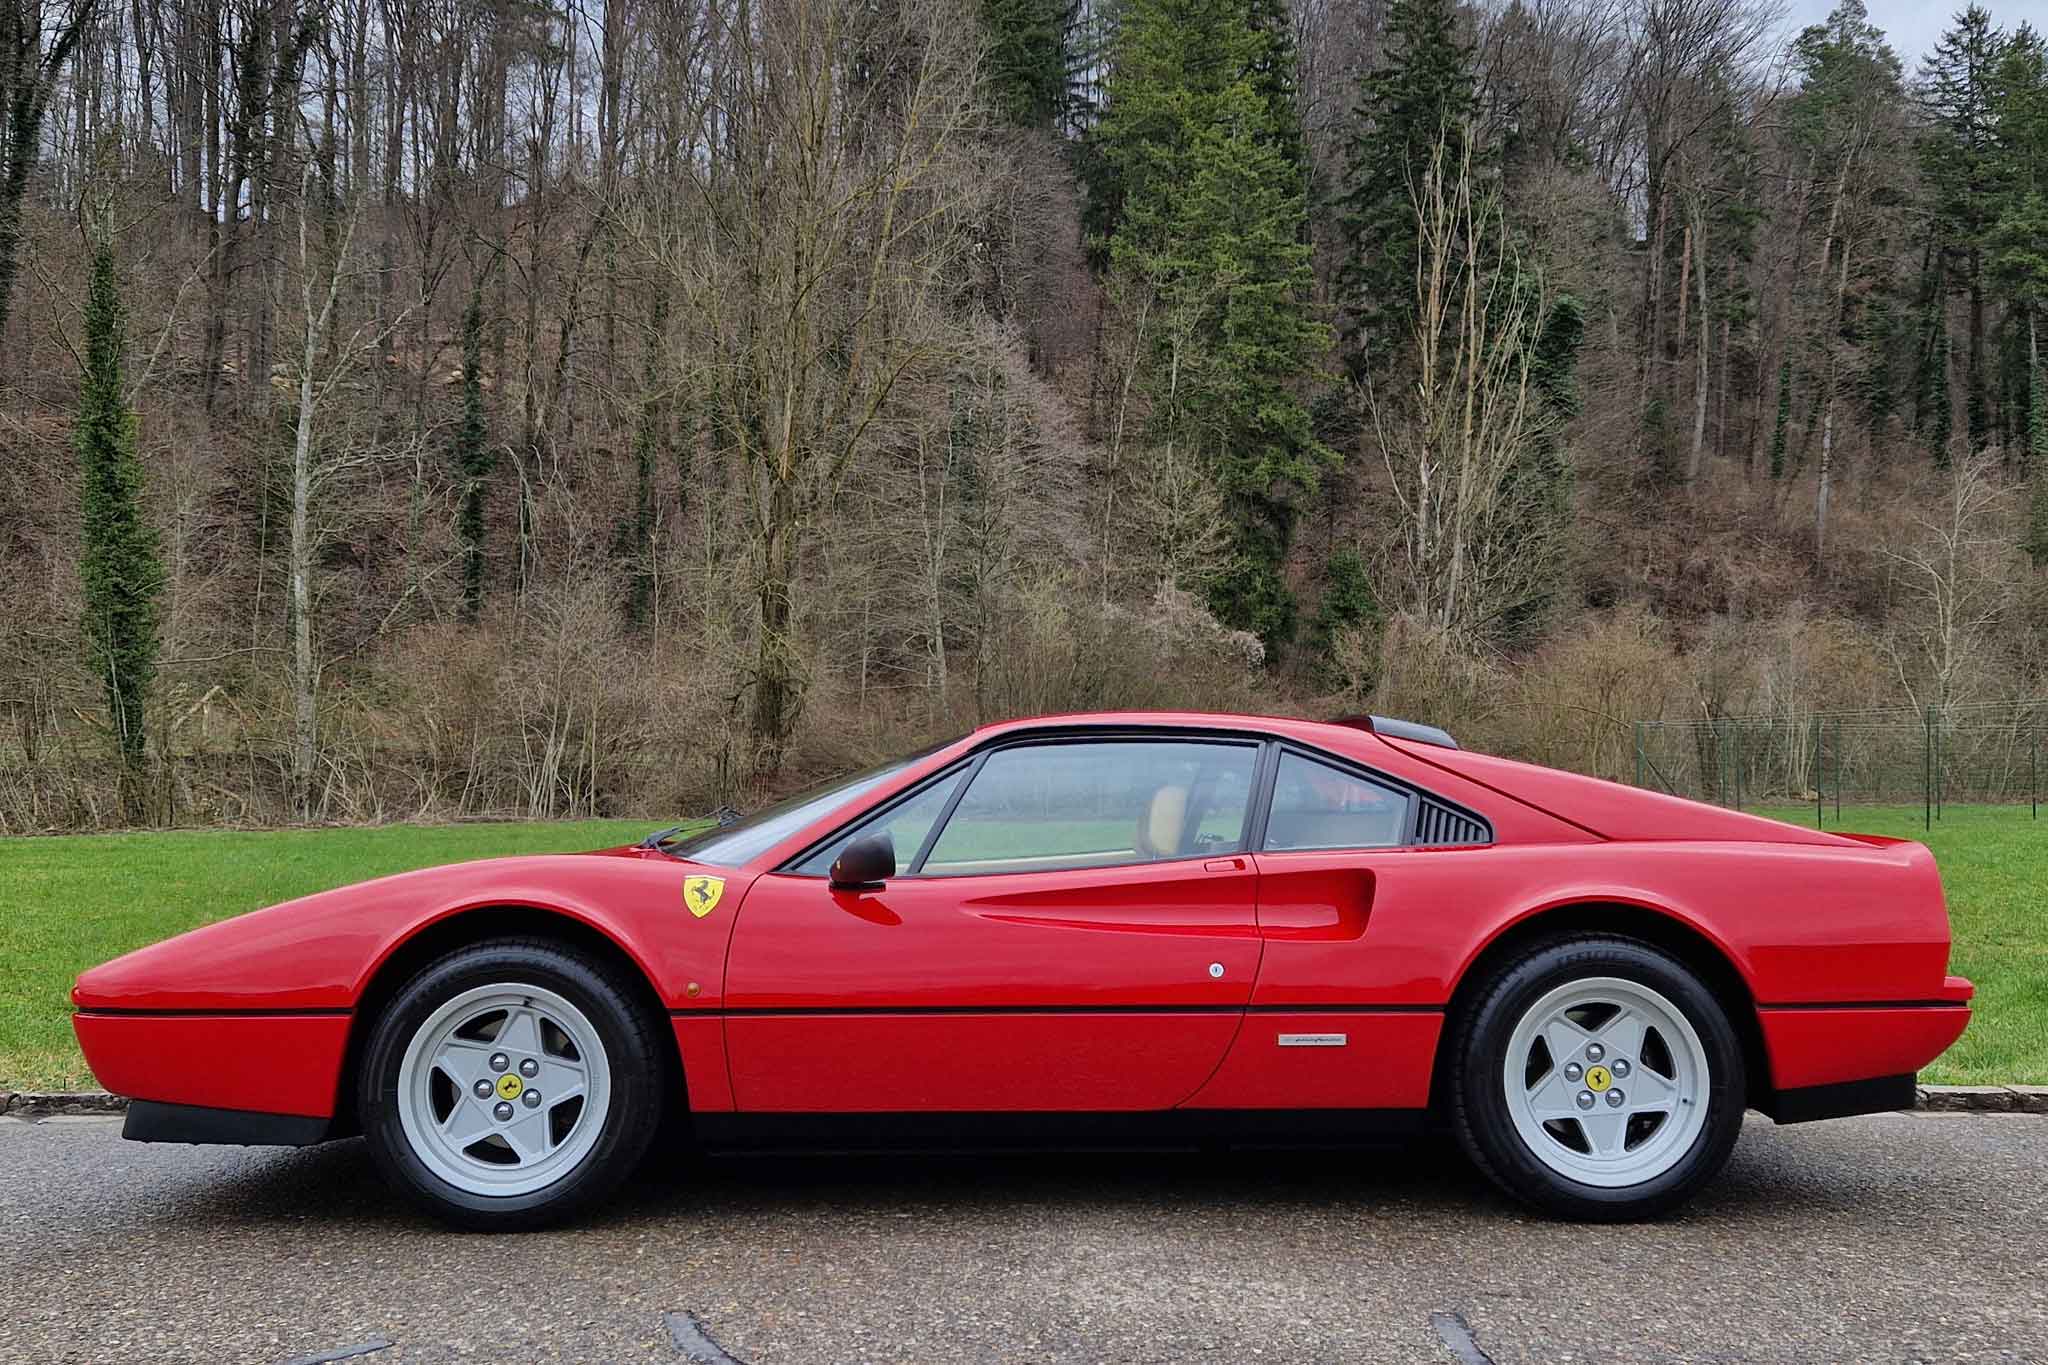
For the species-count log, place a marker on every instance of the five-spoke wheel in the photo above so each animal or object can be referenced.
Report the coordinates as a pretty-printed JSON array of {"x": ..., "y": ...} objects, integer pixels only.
[
  {"x": 503, "y": 1089},
  {"x": 510, "y": 1083},
  {"x": 1597, "y": 1077},
  {"x": 1604, "y": 1080}
]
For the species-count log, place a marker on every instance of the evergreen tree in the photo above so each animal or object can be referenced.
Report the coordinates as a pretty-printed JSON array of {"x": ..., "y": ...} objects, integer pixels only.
[
  {"x": 1541, "y": 486},
  {"x": 119, "y": 565},
  {"x": 1958, "y": 163},
  {"x": 2018, "y": 250},
  {"x": 474, "y": 460},
  {"x": 1424, "y": 90},
  {"x": 1348, "y": 603},
  {"x": 635, "y": 537},
  {"x": 1784, "y": 419},
  {"x": 1844, "y": 120},
  {"x": 1030, "y": 60},
  {"x": 1199, "y": 137}
]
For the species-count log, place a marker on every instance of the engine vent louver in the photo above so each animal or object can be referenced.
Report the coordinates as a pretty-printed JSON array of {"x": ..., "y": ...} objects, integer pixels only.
[{"x": 1439, "y": 825}]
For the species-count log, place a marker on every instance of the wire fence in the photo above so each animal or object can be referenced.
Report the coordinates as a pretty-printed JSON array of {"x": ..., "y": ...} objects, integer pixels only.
[{"x": 1981, "y": 753}]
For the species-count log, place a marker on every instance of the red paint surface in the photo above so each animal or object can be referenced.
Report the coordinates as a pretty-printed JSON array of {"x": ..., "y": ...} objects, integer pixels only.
[
  {"x": 279, "y": 1064},
  {"x": 1821, "y": 1047},
  {"x": 972, "y": 1062},
  {"x": 701, "y": 1040},
  {"x": 1384, "y": 1063},
  {"x": 1089, "y": 989}
]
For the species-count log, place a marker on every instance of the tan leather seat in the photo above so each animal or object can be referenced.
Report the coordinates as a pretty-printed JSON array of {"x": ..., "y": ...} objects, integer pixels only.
[{"x": 1161, "y": 826}]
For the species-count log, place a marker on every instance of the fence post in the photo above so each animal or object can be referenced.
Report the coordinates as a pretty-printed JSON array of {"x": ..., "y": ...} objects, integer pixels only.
[
  {"x": 1738, "y": 765},
  {"x": 1838, "y": 770},
  {"x": 1940, "y": 774},
  {"x": 1816, "y": 771},
  {"x": 1639, "y": 753},
  {"x": 1927, "y": 769}
]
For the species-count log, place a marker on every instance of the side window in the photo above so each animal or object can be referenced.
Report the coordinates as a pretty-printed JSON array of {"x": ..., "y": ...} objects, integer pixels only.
[
  {"x": 1041, "y": 807},
  {"x": 907, "y": 824},
  {"x": 1318, "y": 806}
]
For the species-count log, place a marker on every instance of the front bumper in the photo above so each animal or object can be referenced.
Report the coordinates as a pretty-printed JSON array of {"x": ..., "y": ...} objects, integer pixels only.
[{"x": 285, "y": 1065}]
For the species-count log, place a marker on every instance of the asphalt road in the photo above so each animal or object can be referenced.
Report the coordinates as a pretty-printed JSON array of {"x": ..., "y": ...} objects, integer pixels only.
[{"x": 1891, "y": 1238}]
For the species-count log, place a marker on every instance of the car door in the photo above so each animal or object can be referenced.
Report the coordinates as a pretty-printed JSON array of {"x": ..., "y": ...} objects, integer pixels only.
[
  {"x": 1073, "y": 928},
  {"x": 1338, "y": 1019}
]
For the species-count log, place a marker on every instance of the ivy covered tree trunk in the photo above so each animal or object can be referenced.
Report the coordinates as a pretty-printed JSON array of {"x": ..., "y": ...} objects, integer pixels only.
[
  {"x": 2037, "y": 450},
  {"x": 1784, "y": 419},
  {"x": 473, "y": 457},
  {"x": 120, "y": 566},
  {"x": 635, "y": 539}
]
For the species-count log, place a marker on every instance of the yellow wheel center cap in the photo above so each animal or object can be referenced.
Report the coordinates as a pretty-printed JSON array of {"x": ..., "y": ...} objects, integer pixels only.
[
  {"x": 1598, "y": 1078},
  {"x": 510, "y": 1085}
]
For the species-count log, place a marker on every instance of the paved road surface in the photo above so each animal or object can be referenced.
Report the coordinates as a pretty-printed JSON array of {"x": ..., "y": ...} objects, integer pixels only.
[{"x": 1891, "y": 1238}]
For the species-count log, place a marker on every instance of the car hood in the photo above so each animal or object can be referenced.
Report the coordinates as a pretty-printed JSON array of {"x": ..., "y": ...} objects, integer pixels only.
[{"x": 316, "y": 952}]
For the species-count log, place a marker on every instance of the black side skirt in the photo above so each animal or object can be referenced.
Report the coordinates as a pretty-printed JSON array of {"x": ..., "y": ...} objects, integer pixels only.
[
  {"x": 151, "y": 1121},
  {"x": 1804, "y": 1104},
  {"x": 1172, "y": 1128}
]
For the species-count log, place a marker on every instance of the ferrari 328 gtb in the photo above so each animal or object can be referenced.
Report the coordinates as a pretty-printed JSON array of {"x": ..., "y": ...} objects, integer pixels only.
[{"x": 1146, "y": 928}]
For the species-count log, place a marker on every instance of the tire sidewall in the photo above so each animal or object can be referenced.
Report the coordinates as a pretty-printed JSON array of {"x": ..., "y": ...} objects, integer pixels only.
[
  {"x": 1488, "y": 1130},
  {"x": 636, "y": 1080}
]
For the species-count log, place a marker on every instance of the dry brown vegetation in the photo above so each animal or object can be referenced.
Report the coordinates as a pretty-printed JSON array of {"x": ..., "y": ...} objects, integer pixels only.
[{"x": 810, "y": 434}]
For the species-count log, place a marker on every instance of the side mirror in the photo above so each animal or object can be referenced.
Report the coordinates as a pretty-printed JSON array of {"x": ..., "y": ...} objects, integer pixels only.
[{"x": 865, "y": 864}]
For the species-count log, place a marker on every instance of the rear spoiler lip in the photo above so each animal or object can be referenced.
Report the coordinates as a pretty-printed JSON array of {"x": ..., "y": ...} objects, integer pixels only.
[{"x": 1413, "y": 731}]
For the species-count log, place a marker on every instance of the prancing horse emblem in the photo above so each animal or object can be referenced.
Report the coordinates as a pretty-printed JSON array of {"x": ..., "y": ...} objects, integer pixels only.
[{"x": 701, "y": 894}]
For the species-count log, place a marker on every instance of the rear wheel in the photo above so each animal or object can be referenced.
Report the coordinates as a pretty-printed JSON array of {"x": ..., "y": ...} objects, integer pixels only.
[
  {"x": 1597, "y": 1078},
  {"x": 511, "y": 1084}
]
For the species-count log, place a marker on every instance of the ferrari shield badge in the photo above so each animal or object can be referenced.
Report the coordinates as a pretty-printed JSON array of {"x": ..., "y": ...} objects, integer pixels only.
[{"x": 701, "y": 894}]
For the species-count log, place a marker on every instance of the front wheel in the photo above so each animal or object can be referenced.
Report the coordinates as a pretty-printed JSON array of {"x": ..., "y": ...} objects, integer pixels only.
[
  {"x": 511, "y": 1084},
  {"x": 1597, "y": 1078}
]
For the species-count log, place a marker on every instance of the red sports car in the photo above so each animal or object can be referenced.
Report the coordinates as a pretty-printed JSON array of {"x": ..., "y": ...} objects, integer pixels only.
[{"x": 1155, "y": 928}]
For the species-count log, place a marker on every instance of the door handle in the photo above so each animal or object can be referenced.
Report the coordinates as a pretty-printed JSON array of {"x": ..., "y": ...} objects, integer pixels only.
[{"x": 1224, "y": 865}]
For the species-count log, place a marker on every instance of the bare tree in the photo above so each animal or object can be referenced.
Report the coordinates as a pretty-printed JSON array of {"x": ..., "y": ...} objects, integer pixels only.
[
  {"x": 34, "y": 46},
  {"x": 813, "y": 254},
  {"x": 326, "y": 261},
  {"x": 1452, "y": 447},
  {"x": 1950, "y": 584}
]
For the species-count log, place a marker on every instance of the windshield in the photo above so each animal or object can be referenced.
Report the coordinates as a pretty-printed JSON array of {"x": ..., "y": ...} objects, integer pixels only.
[{"x": 750, "y": 836}]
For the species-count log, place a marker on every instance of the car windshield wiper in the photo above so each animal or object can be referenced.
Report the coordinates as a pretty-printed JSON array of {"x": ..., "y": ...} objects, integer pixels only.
[{"x": 723, "y": 816}]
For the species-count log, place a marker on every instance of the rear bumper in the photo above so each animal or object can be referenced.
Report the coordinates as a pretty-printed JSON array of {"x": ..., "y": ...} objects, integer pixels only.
[
  {"x": 286, "y": 1065},
  {"x": 1832, "y": 1060}
]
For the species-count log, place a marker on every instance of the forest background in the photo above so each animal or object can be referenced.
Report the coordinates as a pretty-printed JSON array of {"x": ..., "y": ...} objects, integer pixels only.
[{"x": 438, "y": 407}]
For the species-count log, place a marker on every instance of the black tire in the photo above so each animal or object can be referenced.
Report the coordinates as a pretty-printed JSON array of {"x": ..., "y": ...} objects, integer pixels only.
[
  {"x": 1477, "y": 1100},
  {"x": 638, "y": 1083}
]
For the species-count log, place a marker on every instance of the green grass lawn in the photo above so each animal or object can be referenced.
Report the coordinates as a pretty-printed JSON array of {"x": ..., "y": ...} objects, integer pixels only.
[{"x": 69, "y": 902}]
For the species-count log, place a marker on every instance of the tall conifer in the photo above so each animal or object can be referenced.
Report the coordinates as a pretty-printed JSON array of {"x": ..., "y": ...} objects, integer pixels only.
[
  {"x": 1202, "y": 141},
  {"x": 1424, "y": 90},
  {"x": 119, "y": 563}
]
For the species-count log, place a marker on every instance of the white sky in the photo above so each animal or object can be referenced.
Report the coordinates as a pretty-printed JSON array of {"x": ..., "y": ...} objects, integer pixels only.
[{"x": 1913, "y": 25}]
